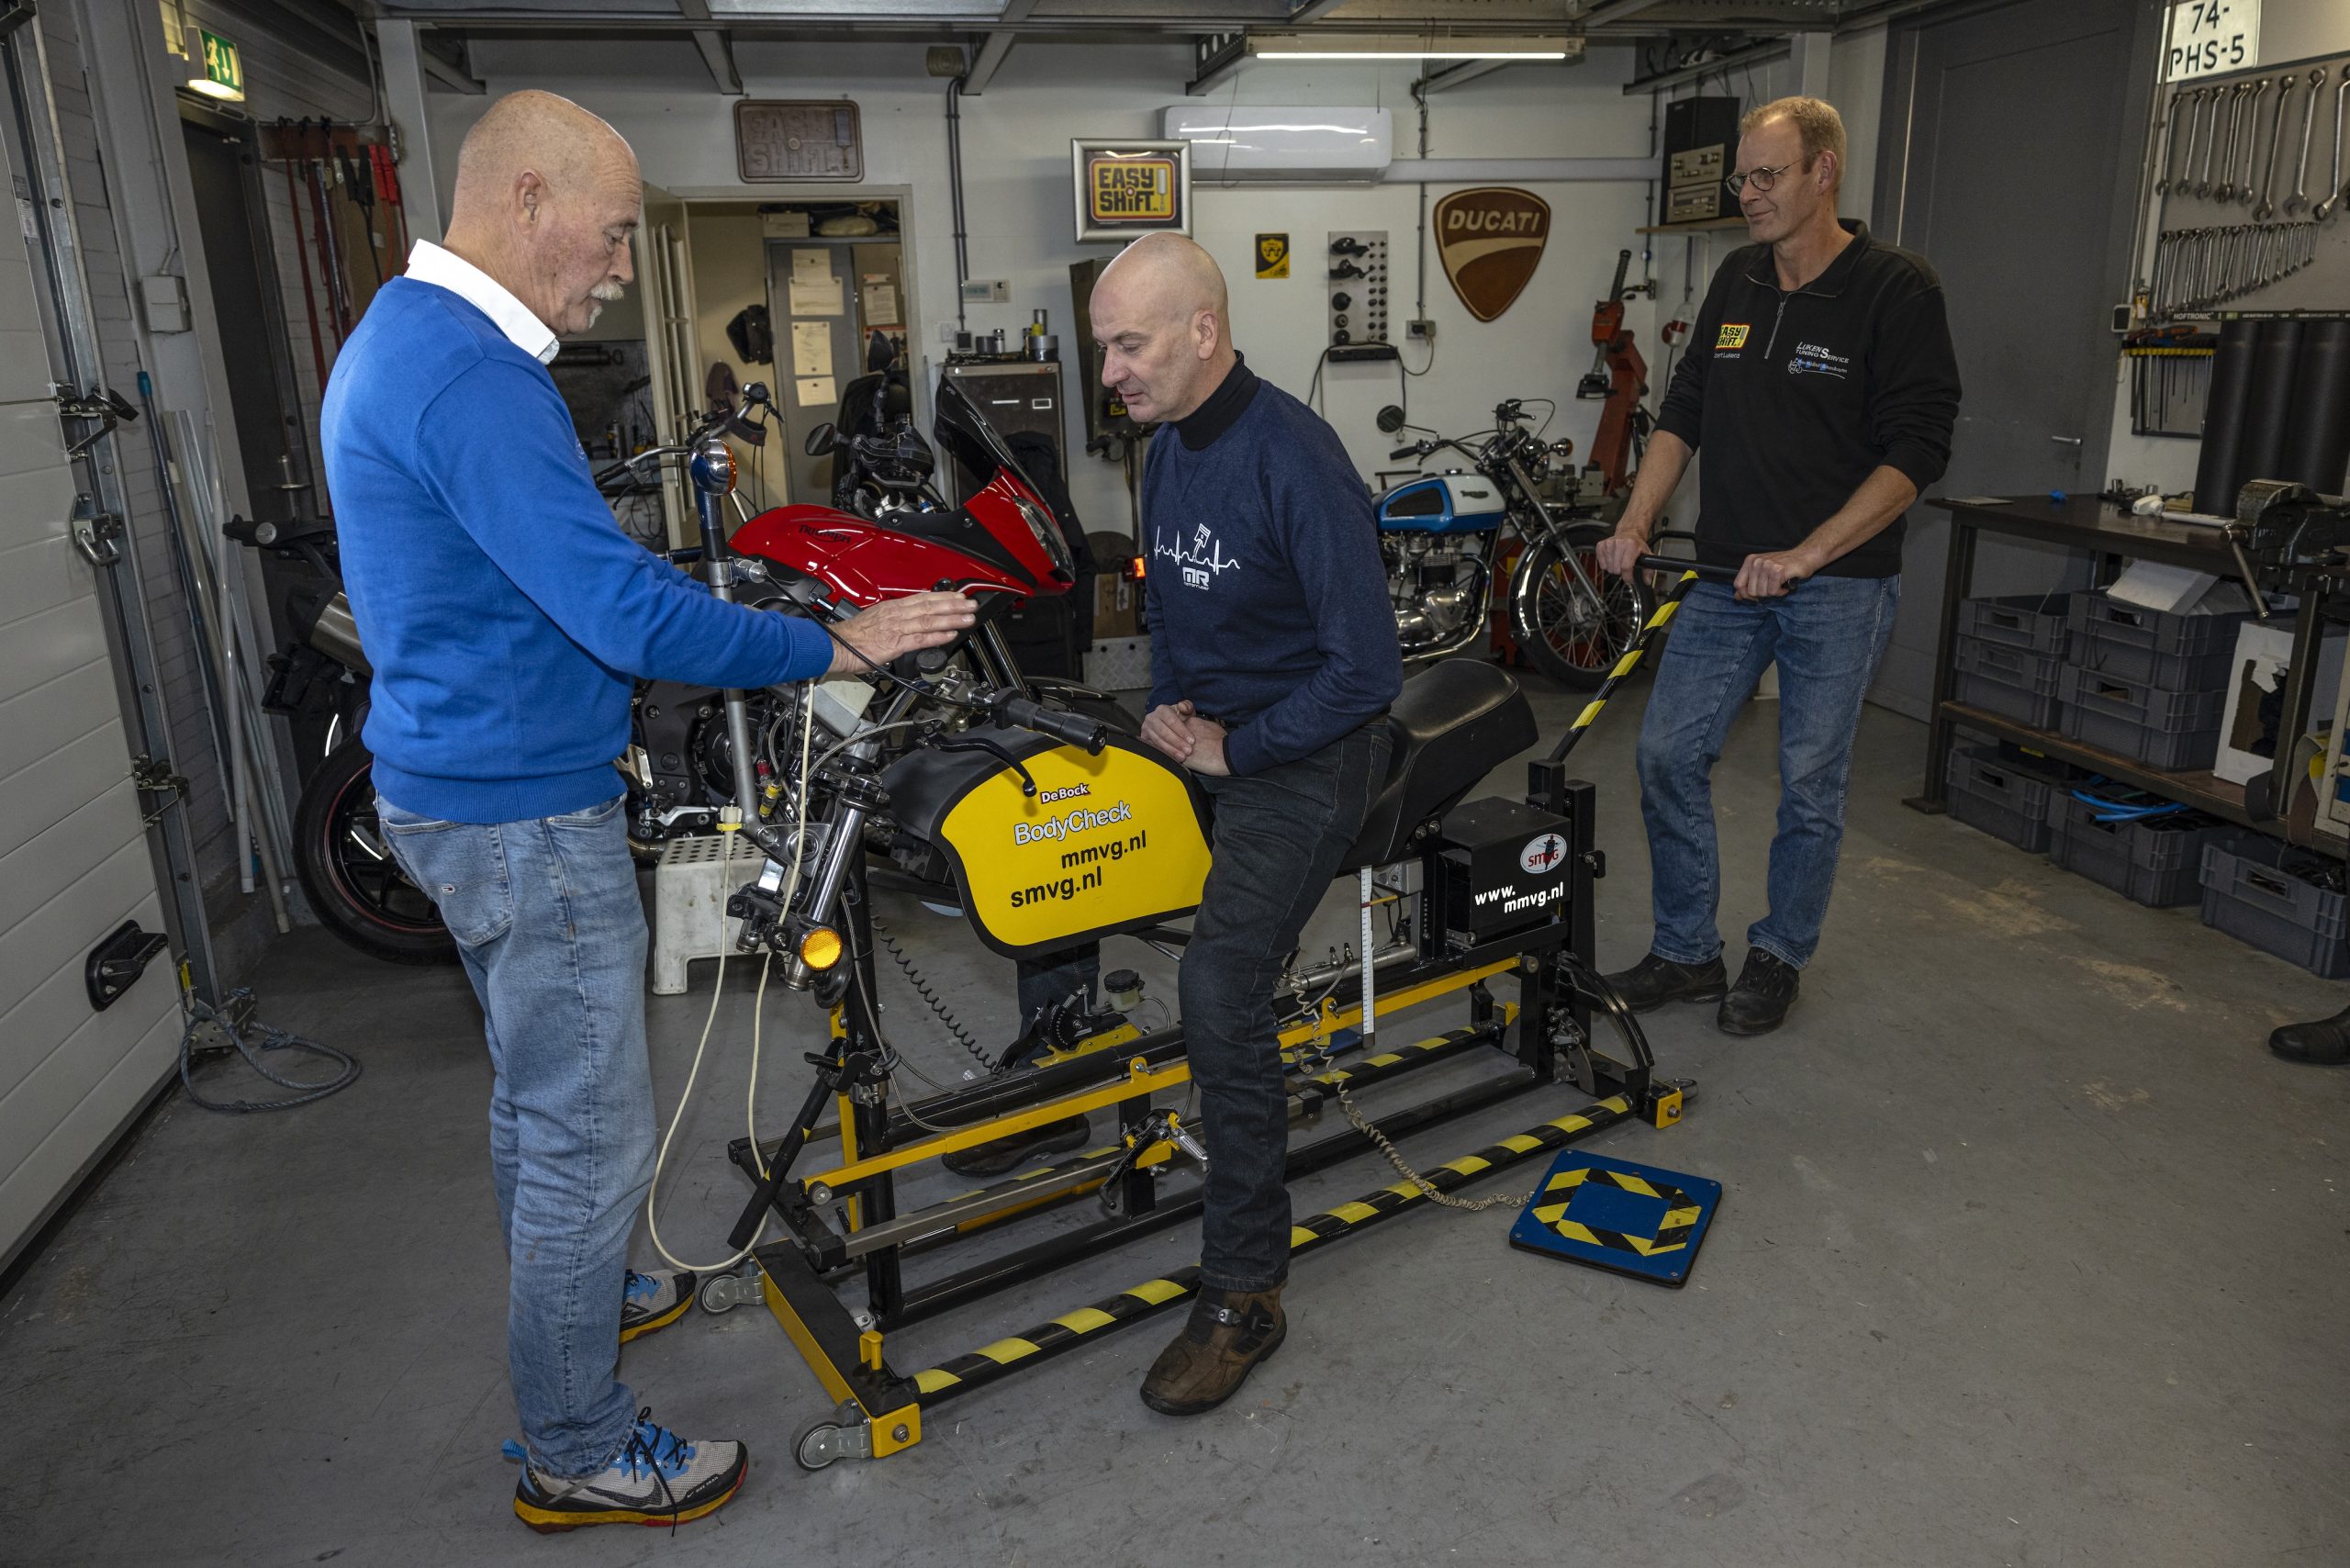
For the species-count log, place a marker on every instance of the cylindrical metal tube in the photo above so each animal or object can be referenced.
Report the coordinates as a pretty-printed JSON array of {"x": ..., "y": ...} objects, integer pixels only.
[
  {"x": 2275, "y": 352},
  {"x": 2219, "y": 472},
  {"x": 2317, "y": 438}
]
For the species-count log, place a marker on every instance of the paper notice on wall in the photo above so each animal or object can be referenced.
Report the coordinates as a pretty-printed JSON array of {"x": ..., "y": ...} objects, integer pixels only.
[
  {"x": 811, "y": 348},
  {"x": 818, "y": 296},
  {"x": 811, "y": 267},
  {"x": 880, "y": 305},
  {"x": 816, "y": 392}
]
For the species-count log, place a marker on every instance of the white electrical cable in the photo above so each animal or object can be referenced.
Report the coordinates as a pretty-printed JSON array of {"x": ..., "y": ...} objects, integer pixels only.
[{"x": 759, "y": 1010}]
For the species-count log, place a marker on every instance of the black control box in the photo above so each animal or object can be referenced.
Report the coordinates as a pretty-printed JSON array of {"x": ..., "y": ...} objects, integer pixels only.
[
  {"x": 1700, "y": 144},
  {"x": 1499, "y": 868}
]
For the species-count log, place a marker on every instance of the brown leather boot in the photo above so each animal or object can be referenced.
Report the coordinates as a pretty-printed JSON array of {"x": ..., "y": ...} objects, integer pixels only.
[{"x": 1229, "y": 1333}]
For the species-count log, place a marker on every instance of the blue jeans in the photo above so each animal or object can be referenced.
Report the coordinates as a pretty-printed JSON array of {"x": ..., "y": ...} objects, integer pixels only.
[
  {"x": 1827, "y": 637},
  {"x": 1279, "y": 836},
  {"x": 548, "y": 920}
]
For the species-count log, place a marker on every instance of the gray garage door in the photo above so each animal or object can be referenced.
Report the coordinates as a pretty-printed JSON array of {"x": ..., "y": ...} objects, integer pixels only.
[{"x": 73, "y": 856}]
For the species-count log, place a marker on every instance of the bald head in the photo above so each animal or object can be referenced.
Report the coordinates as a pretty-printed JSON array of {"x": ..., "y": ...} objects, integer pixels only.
[
  {"x": 1160, "y": 313},
  {"x": 547, "y": 199}
]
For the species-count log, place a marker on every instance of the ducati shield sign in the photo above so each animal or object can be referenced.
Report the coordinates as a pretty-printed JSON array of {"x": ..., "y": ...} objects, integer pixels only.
[{"x": 1490, "y": 241}]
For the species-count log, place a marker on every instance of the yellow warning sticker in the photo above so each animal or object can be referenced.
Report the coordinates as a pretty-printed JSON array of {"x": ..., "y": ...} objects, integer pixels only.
[{"x": 1733, "y": 335}]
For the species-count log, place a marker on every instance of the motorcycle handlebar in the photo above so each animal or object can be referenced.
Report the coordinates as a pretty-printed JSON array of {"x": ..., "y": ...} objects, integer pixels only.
[
  {"x": 1401, "y": 453},
  {"x": 1074, "y": 728},
  {"x": 1703, "y": 569}
]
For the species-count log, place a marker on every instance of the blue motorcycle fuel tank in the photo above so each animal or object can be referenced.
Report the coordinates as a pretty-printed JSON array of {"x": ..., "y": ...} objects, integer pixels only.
[{"x": 1442, "y": 503}]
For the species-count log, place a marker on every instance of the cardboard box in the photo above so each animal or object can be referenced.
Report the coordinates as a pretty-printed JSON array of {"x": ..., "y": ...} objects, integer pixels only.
[
  {"x": 1117, "y": 608},
  {"x": 2263, "y": 655}
]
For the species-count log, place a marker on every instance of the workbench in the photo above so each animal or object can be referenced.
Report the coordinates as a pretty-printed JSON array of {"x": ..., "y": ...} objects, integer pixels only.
[{"x": 2113, "y": 533}]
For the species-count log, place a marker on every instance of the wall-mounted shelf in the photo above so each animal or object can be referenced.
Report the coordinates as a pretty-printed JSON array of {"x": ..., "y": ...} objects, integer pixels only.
[{"x": 1697, "y": 228}]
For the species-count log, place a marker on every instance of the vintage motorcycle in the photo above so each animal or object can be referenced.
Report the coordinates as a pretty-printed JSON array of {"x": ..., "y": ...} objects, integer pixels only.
[
  {"x": 1448, "y": 539},
  {"x": 898, "y": 536}
]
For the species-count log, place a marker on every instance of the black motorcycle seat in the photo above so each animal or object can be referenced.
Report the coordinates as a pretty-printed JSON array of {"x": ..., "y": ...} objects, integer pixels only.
[{"x": 1451, "y": 724}]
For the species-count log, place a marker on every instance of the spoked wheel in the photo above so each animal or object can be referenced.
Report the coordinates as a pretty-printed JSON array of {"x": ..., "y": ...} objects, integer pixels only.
[
  {"x": 1571, "y": 634},
  {"x": 358, "y": 889}
]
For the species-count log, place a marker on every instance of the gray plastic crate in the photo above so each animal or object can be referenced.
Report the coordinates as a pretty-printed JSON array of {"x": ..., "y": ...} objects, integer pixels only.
[
  {"x": 2157, "y": 862},
  {"x": 2142, "y": 720},
  {"x": 2014, "y": 683},
  {"x": 2177, "y": 652},
  {"x": 2006, "y": 798},
  {"x": 2249, "y": 893},
  {"x": 2039, "y": 621}
]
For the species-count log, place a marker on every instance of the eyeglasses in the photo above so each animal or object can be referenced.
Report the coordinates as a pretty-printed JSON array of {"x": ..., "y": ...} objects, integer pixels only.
[{"x": 1764, "y": 179}]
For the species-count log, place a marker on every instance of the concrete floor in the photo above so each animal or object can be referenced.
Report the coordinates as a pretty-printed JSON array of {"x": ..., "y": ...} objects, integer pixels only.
[{"x": 2029, "y": 1254}]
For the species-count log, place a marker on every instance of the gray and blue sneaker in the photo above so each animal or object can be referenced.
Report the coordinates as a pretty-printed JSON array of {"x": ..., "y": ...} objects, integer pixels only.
[
  {"x": 655, "y": 1300},
  {"x": 658, "y": 1479}
]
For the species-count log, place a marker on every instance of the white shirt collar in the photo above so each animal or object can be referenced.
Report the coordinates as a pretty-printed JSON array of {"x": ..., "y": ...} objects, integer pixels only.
[{"x": 428, "y": 262}]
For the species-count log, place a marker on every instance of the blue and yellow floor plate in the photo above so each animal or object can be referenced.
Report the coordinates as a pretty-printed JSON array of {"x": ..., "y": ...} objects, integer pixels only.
[{"x": 1613, "y": 1214}]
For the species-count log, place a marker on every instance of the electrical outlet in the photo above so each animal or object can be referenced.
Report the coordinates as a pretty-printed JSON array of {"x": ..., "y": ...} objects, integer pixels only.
[{"x": 1421, "y": 329}]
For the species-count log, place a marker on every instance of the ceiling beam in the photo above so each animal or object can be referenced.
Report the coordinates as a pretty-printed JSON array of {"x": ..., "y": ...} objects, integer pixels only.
[
  {"x": 1467, "y": 71},
  {"x": 717, "y": 53},
  {"x": 993, "y": 48},
  {"x": 1606, "y": 11},
  {"x": 1311, "y": 11}
]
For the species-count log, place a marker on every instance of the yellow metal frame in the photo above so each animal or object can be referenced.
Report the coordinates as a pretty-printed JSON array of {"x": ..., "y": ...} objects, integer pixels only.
[{"x": 885, "y": 1426}]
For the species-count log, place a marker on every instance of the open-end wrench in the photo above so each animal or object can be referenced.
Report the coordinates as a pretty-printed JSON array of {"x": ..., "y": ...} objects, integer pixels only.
[
  {"x": 2203, "y": 99},
  {"x": 2169, "y": 142},
  {"x": 2276, "y": 134},
  {"x": 2238, "y": 98},
  {"x": 2299, "y": 198},
  {"x": 2324, "y": 209}
]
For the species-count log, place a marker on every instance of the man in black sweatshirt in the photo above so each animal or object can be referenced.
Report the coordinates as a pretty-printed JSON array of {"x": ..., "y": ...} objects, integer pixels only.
[
  {"x": 1821, "y": 384},
  {"x": 1273, "y": 656}
]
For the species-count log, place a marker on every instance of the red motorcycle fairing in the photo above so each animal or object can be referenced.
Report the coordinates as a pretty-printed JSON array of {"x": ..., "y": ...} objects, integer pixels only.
[{"x": 987, "y": 544}]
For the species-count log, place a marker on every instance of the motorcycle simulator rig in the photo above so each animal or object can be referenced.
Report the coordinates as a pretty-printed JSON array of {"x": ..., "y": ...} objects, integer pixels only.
[{"x": 1045, "y": 829}]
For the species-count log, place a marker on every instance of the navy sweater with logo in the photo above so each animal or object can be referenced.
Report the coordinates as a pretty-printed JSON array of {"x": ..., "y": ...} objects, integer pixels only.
[
  {"x": 1796, "y": 398},
  {"x": 1269, "y": 605}
]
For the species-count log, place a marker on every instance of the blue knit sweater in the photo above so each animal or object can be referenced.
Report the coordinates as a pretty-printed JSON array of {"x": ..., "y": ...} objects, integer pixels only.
[
  {"x": 1268, "y": 607},
  {"x": 503, "y": 610}
]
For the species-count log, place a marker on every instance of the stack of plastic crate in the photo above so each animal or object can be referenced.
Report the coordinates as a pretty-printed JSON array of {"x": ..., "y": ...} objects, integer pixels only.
[{"x": 2149, "y": 685}]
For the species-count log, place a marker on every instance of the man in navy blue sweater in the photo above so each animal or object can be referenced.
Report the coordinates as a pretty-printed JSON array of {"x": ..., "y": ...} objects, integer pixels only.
[
  {"x": 504, "y": 614},
  {"x": 1273, "y": 656}
]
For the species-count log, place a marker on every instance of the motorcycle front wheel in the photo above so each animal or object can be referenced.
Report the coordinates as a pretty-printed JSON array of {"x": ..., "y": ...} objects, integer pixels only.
[
  {"x": 358, "y": 891},
  {"x": 1569, "y": 635}
]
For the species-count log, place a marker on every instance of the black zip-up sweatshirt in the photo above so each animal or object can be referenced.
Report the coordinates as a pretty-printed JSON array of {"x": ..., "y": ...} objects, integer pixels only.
[{"x": 1796, "y": 398}]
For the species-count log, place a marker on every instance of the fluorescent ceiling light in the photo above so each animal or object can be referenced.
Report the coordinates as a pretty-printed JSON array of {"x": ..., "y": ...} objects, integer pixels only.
[{"x": 1388, "y": 45}]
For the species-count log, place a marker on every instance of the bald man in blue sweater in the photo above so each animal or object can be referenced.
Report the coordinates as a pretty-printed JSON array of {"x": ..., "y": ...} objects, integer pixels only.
[
  {"x": 504, "y": 614},
  {"x": 1273, "y": 658}
]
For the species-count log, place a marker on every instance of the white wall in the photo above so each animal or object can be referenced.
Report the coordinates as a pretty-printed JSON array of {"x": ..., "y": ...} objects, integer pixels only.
[{"x": 1015, "y": 149}]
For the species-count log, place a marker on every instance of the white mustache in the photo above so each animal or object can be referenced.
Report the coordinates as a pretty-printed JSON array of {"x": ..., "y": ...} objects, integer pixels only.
[{"x": 608, "y": 291}]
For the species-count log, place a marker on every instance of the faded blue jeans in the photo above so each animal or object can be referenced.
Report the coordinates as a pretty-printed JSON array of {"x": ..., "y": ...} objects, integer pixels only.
[
  {"x": 548, "y": 920},
  {"x": 1827, "y": 637}
]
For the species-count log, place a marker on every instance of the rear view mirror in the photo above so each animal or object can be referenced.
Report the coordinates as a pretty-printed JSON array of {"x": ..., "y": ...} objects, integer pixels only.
[
  {"x": 1391, "y": 419},
  {"x": 822, "y": 439}
]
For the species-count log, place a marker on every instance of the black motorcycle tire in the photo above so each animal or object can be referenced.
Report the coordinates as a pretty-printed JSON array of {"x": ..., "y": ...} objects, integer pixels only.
[
  {"x": 367, "y": 902},
  {"x": 1581, "y": 663}
]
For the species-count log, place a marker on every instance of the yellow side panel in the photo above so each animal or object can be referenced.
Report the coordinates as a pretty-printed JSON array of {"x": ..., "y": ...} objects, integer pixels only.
[{"x": 1106, "y": 841}]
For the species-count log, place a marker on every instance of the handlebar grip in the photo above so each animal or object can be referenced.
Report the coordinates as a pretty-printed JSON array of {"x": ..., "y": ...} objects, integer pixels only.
[
  {"x": 1670, "y": 564},
  {"x": 1401, "y": 453},
  {"x": 1075, "y": 728}
]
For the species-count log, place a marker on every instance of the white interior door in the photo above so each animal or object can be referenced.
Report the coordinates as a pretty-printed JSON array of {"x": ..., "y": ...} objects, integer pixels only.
[
  {"x": 75, "y": 862},
  {"x": 664, "y": 272}
]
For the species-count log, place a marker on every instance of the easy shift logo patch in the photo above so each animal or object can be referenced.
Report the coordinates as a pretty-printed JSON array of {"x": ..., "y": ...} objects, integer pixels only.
[
  {"x": 1731, "y": 337},
  {"x": 1490, "y": 241}
]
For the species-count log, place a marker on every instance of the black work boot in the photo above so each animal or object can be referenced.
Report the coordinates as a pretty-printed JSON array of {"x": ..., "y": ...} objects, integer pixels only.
[
  {"x": 1002, "y": 1155},
  {"x": 1758, "y": 1003},
  {"x": 1228, "y": 1334},
  {"x": 2321, "y": 1042},
  {"x": 1653, "y": 982}
]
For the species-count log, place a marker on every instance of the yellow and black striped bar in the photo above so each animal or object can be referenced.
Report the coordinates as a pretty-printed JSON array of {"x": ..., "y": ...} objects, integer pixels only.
[
  {"x": 991, "y": 1363},
  {"x": 1325, "y": 1086},
  {"x": 1690, "y": 573}
]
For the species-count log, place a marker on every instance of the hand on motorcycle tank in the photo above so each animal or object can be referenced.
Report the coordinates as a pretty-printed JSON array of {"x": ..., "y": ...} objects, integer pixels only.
[{"x": 897, "y": 626}]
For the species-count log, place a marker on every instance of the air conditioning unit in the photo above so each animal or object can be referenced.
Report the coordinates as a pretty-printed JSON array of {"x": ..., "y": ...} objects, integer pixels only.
[{"x": 1301, "y": 144}]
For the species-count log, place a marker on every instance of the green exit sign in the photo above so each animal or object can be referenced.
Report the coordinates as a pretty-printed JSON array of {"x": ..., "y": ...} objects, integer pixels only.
[{"x": 224, "y": 74}]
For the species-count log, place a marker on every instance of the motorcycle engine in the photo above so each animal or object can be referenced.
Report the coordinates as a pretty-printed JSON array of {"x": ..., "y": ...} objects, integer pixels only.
[{"x": 1437, "y": 584}]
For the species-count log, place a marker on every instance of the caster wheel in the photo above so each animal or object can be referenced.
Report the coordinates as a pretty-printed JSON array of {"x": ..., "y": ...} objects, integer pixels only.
[
  {"x": 724, "y": 1292},
  {"x": 817, "y": 1446}
]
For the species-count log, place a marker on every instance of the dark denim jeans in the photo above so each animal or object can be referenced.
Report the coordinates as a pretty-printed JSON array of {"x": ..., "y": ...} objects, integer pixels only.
[
  {"x": 1279, "y": 836},
  {"x": 551, "y": 929},
  {"x": 1826, "y": 638}
]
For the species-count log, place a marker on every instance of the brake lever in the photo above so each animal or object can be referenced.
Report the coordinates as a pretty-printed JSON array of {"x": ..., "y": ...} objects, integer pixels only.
[{"x": 981, "y": 743}]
